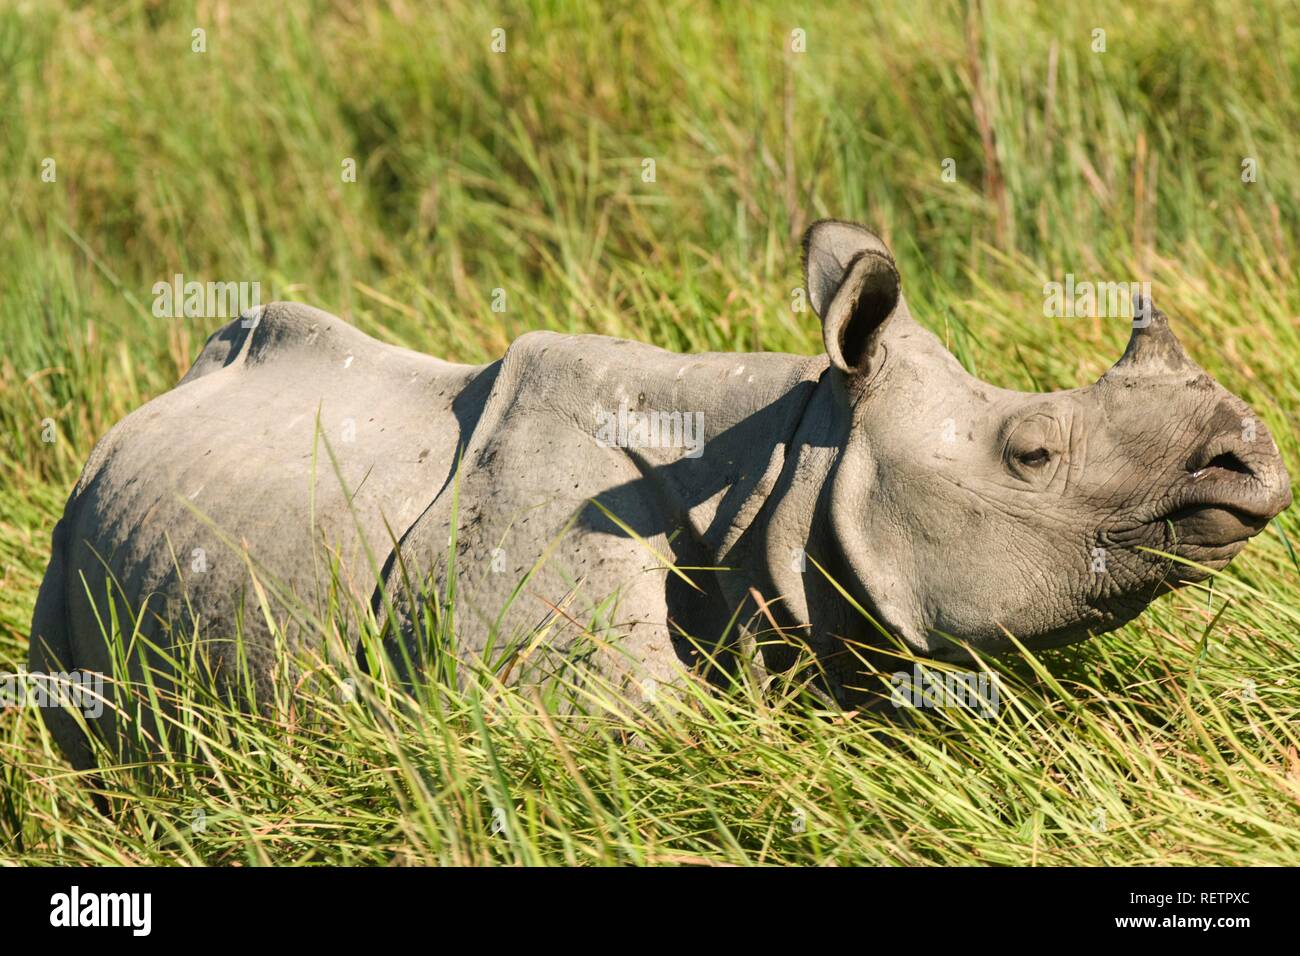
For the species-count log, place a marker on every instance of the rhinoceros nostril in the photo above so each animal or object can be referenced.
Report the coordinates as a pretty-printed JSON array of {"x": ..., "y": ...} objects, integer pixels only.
[
  {"x": 1219, "y": 459},
  {"x": 1227, "y": 461}
]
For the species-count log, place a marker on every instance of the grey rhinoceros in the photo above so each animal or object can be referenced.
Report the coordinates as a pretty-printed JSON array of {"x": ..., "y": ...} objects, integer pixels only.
[{"x": 608, "y": 505}]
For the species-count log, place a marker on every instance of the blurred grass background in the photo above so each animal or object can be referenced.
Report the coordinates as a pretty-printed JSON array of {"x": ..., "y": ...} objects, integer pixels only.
[{"x": 522, "y": 170}]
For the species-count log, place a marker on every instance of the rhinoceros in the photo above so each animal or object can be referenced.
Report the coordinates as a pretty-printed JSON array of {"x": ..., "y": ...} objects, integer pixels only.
[{"x": 610, "y": 507}]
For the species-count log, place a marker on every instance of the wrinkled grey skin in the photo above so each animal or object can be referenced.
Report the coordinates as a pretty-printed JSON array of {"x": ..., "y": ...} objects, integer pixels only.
[{"x": 953, "y": 512}]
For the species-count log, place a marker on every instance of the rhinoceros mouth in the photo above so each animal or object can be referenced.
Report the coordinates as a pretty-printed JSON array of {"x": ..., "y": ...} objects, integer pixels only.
[
  {"x": 1205, "y": 523},
  {"x": 1225, "y": 498},
  {"x": 1213, "y": 525},
  {"x": 1214, "y": 510},
  {"x": 1216, "y": 517}
]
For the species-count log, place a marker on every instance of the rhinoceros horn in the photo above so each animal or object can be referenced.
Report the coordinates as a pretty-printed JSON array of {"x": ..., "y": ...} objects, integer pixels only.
[{"x": 1152, "y": 349}]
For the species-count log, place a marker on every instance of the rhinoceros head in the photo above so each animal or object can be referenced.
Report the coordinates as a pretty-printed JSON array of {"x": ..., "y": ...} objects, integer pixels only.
[{"x": 967, "y": 511}]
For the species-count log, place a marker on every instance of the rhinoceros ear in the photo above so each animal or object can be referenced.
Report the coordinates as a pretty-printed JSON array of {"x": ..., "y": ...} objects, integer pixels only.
[{"x": 854, "y": 288}]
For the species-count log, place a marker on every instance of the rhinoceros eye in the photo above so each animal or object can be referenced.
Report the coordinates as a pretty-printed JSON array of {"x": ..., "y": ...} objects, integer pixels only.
[
  {"x": 1033, "y": 446},
  {"x": 1034, "y": 459}
]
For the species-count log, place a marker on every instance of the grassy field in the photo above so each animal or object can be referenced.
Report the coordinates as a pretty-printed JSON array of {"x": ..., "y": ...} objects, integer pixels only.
[{"x": 1173, "y": 155}]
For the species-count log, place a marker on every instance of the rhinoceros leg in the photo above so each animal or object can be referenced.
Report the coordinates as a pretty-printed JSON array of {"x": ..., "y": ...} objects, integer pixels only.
[{"x": 51, "y": 651}]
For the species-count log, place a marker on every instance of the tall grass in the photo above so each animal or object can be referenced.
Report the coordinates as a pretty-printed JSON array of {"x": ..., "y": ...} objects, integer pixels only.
[{"x": 1172, "y": 740}]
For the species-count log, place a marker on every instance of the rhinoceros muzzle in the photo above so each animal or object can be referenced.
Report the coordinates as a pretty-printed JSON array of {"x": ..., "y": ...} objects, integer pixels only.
[
  {"x": 1233, "y": 484},
  {"x": 1230, "y": 494}
]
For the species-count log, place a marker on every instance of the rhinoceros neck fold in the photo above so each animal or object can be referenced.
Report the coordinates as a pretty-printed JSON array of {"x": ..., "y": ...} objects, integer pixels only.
[{"x": 771, "y": 546}]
